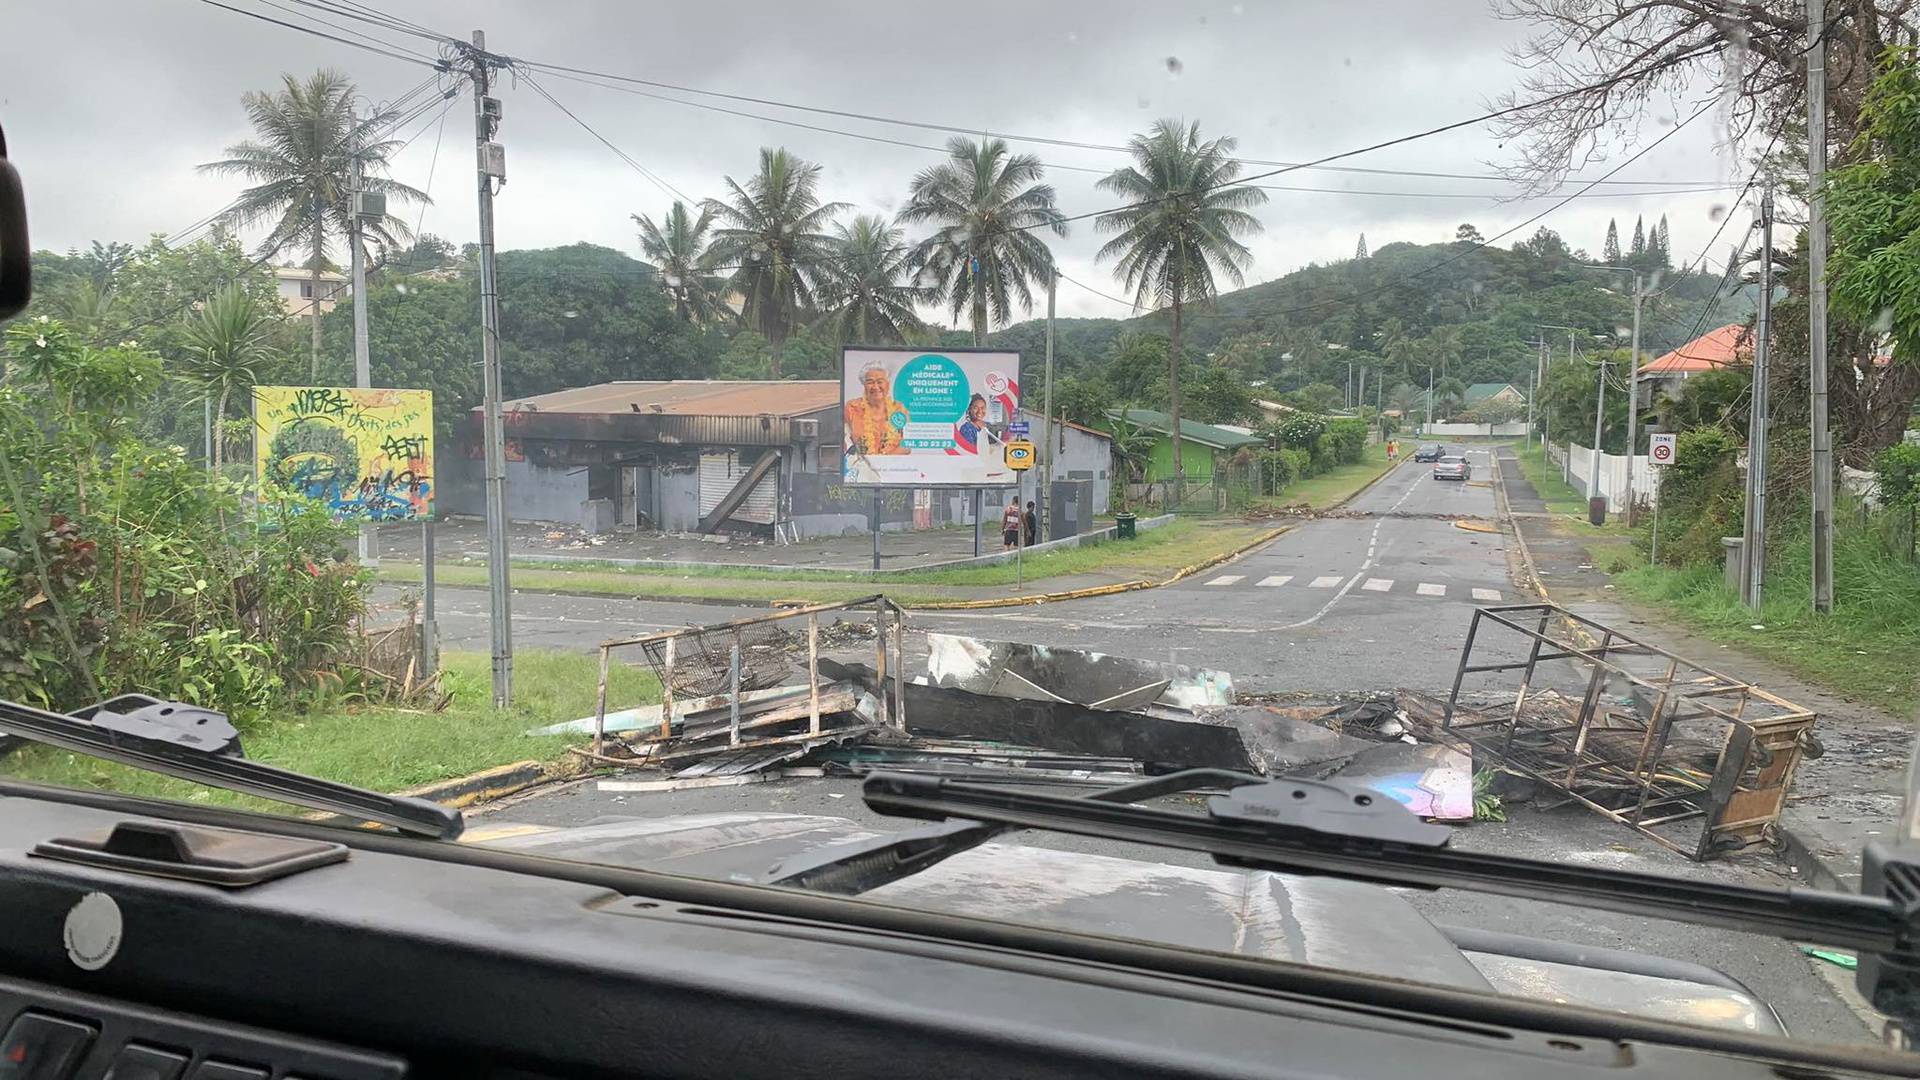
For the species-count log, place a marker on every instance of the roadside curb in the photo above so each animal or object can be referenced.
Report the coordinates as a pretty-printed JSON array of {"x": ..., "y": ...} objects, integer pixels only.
[
  {"x": 1801, "y": 856},
  {"x": 483, "y": 786},
  {"x": 1104, "y": 590}
]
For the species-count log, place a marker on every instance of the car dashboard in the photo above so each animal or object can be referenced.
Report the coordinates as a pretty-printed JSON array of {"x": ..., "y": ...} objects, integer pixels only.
[{"x": 429, "y": 959}]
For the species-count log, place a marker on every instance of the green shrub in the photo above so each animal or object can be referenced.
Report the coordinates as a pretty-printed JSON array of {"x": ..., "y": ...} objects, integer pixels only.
[
  {"x": 1347, "y": 437},
  {"x": 1701, "y": 497}
]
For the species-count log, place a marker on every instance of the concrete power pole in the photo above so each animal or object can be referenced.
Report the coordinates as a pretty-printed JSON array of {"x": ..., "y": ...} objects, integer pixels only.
[
  {"x": 362, "y": 361},
  {"x": 1633, "y": 396},
  {"x": 1754, "y": 549},
  {"x": 491, "y": 164},
  {"x": 1817, "y": 306},
  {"x": 1047, "y": 436},
  {"x": 1429, "y": 398},
  {"x": 1593, "y": 464}
]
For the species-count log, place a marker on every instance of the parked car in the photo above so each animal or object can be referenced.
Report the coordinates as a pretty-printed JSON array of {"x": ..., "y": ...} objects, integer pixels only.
[
  {"x": 1427, "y": 452},
  {"x": 1452, "y": 467}
]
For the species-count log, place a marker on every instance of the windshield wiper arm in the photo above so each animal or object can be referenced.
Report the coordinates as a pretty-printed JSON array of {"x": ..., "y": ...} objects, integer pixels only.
[
  {"x": 1305, "y": 827},
  {"x": 166, "y": 737},
  {"x": 852, "y": 868}
]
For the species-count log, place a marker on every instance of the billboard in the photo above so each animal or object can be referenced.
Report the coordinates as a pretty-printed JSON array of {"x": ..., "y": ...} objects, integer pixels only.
[
  {"x": 367, "y": 454},
  {"x": 928, "y": 417}
]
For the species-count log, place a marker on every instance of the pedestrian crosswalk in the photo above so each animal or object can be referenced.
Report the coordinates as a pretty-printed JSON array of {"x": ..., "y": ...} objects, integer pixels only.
[{"x": 1433, "y": 589}]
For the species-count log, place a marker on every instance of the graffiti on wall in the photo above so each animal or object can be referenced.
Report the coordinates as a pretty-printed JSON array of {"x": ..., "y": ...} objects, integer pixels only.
[{"x": 367, "y": 454}]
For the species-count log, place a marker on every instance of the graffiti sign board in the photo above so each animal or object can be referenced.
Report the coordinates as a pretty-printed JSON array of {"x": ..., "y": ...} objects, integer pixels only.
[
  {"x": 928, "y": 418},
  {"x": 367, "y": 454}
]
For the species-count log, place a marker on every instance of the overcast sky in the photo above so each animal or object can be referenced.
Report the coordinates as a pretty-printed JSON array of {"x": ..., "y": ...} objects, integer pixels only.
[{"x": 109, "y": 104}]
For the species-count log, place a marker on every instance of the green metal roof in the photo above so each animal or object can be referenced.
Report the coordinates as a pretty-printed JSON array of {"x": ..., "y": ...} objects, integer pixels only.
[
  {"x": 1190, "y": 430},
  {"x": 1481, "y": 391}
]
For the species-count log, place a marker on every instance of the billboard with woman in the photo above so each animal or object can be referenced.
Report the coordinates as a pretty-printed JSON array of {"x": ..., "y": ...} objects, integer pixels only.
[{"x": 928, "y": 417}]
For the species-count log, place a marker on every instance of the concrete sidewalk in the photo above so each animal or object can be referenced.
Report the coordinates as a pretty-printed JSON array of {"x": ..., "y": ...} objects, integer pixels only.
[
  {"x": 1849, "y": 795},
  {"x": 455, "y": 537}
]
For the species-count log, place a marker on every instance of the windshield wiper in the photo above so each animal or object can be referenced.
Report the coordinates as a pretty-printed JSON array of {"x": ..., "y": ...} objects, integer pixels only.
[
  {"x": 857, "y": 866},
  {"x": 191, "y": 743},
  {"x": 1321, "y": 827}
]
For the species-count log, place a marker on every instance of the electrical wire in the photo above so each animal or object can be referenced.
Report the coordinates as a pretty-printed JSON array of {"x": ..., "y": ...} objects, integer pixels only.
[
  {"x": 1283, "y": 166},
  {"x": 1493, "y": 197},
  {"x": 663, "y": 185},
  {"x": 407, "y": 57}
]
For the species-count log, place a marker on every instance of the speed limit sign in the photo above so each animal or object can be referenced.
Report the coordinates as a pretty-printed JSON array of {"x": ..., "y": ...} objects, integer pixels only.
[{"x": 1660, "y": 449}]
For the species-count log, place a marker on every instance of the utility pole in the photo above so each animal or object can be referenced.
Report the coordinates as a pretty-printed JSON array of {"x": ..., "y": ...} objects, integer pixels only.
[
  {"x": 1633, "y": 395},
  {"x": 1754, "y": 549},
  {"x": 1817, "y": 306},
  {"x": 1539, "y": 366},
  {"x": 1046, "y": 416},
  {"x": 492, "y": 163},
  {"x": 362, "y": 362},
  {"x": 1429, "y": 423},
  {"x": 1360, "y": 399},
  {"x": 1349, "y": 396},
  {"x": 1593, "y": 468}
]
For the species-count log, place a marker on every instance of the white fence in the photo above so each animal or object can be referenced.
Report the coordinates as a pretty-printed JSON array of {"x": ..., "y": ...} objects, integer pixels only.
[
  {"x": 1517, "y": 427},
  {"x": 1576, "y": 466}
]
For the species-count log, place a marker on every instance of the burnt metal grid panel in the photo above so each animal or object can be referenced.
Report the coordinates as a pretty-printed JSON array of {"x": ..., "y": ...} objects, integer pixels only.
[
  {"x": 719, "y": 652},
  {"x": 1630, "y": 764}
]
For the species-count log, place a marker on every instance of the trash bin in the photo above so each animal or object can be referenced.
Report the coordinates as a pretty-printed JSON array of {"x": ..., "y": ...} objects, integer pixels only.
[
  {"x": 1597, "y": 510},
  {"x": 1123, "y": 527}
]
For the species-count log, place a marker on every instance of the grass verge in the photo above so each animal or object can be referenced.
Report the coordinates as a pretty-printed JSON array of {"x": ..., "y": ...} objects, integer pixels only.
[
  {"x": 1333, "y": 486},
  {"x": 1864, "y": 650},
  {"x": 1560, "y": 496},
  {"x": 381, "y": 747},
  {"x": 1157, "y": 552}
]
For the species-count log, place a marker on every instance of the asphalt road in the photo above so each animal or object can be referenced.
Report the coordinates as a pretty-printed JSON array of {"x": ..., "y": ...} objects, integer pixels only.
[
  {"x": 1318, "y": 610},
  {"x": 1377, "y": 600}
]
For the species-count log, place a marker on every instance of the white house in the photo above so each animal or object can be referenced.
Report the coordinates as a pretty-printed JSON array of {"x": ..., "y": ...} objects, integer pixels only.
[{"x": 296, "y": 289}]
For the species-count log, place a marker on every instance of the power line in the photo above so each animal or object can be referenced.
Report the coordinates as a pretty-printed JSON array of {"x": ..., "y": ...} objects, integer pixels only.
[
  {"x": 370, "y": 14},
  {"x": 1078, "y": 144},
  {"x": 943, "y": 151},
  {"x": 621, "y": 154},
  {"x": 408, "y": 57}
]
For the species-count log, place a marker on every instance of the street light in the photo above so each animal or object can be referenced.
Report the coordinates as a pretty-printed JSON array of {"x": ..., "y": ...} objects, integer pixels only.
[{"x": 1633, "y": 401}]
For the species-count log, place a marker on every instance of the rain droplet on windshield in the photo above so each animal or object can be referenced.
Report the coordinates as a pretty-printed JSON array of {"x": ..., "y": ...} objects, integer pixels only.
[
  {"x": 1174, "y": 66},
  {"x": 1883, "y": 322},
  {"x": 1716, "y": 211}
]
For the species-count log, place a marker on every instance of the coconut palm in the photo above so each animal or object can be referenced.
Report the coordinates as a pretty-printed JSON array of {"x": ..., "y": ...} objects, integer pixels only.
[
  {"x": 985, "y": 254},
  {"x": 307, "y": 139},
  {"x": 868, "y": 296},
  {"x": 1181, "y": 227},
  {"x": 228, "y": 339},
  {"x": 772, "y": 231},
  {"x": 1405, "y": 398},
  {"x": 683, "y": 261}
]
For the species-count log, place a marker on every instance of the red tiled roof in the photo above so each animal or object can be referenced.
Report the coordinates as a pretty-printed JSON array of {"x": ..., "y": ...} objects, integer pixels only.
[{"x": 1728, "y": 346}]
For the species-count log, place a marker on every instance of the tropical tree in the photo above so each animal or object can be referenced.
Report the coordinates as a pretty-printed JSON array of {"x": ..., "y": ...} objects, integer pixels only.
[
  {"x": 868, "y": 295},
  {"x": 772, "y": 230},
  {"x": 1404, "y": 398},
  {"x": 307, "y": 141},
  {"x": 683, "y": 261},
  {"x": 986, "y": 204},
  {"x": 1182, "y": 225},
  {"x": 231, "y": 338}
]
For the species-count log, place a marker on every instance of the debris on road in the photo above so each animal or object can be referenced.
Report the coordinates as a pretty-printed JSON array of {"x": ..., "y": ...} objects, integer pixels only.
[
  {"x": 1696, "y": 760},
  {"x": 1094, "y": 679}
]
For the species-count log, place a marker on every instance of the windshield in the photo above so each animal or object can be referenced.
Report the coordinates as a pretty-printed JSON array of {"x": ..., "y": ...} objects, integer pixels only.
[{"x": 748, "y": 415}]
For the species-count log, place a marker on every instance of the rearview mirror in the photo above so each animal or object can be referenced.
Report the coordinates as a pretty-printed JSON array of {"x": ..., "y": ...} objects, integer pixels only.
[{"x": 16, "y": 264}]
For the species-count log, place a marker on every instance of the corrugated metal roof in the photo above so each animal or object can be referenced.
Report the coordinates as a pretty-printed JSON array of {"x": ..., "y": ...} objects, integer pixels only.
[
  {"x": 1729, "y": 345},
  {"x": 689, "y": 397}
]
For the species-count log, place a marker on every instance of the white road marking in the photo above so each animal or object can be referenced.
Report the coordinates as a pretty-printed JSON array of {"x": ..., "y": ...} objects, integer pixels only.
[
  {"x": 1274, "y": 581},
  {"x": 1427, "y": 588},
  {"x": 1375, "y": 584},
  {"x": 1487, "y": 594},
  {"x": 1326, "y": 582},
  {"x": 1228, "y": 579}
]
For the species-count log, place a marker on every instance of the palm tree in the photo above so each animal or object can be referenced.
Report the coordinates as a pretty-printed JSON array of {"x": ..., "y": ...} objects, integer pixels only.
[
  {"x": 772, "y": 231},
  {"x": 867, "y": 297},
  {"x": 1405, "y": 397},
  {"x": 307, "y": 140},
  {"x": 1181, "y": 227},
  {"x": 986, "y": 205},
  {"x": 683, "y": 260},
  {"x": 230, "y": 337}
]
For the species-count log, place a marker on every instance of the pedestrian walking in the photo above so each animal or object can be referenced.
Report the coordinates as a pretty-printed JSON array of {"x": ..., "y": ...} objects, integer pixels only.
[
  {"x": 1032, "y": 522},
  {"x": 1393, "y": 450},
  {"x": 1010, "y": 525}
]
